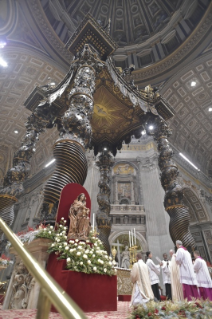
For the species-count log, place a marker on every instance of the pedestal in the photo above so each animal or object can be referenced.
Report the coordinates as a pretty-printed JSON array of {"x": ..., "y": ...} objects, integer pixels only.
[
  {"x": 23, "y": 290},
  {"x": 92, "y": 292}
]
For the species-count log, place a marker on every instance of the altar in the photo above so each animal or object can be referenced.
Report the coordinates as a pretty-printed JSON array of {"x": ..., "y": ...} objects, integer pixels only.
[{"x": 124, "y": 284}]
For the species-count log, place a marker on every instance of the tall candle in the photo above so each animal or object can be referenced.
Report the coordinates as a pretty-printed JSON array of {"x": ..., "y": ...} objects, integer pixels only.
[
  {"x": 132, "y": 238},
  {"x": 129, "y": 239},
  {"x": 135, "y": 236}
]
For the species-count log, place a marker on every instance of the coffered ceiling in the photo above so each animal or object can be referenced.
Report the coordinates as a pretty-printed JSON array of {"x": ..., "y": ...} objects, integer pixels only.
[
  {"x": 35, "y": 52},
  {"x": 192, "y": 123}
]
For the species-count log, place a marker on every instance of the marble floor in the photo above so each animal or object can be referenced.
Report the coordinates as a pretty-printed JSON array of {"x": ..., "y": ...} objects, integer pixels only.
[{"x": 122, "y": 312}]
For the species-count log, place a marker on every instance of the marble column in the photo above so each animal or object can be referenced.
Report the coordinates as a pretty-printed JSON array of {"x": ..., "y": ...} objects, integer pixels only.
[
  {"x": 116, "y": 193},
  {"x": 132, "y": 194}
]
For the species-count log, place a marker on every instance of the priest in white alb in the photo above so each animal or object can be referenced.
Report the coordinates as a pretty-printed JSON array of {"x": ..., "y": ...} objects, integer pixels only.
[
  {"x": 187, "y": 275},
  {"x": 142, "y": 291},
  {"x": 166, "y": 276},
  {"x": 203, "y": 277},
  {"x": 154, "y": 272},
  {"x": 176, "y": 286}
]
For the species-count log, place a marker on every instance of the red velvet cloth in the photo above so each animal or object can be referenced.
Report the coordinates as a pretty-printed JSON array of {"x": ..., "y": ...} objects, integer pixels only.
[
  {"x": 68, "y": 194},
  {"x": 91, "y": 292},
  {"x": 124, "y": 297}
]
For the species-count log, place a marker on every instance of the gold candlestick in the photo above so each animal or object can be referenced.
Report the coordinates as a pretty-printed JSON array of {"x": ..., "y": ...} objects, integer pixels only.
[
  {"x": 133, "y": 253},
  {"x": 114, "y": 251}
]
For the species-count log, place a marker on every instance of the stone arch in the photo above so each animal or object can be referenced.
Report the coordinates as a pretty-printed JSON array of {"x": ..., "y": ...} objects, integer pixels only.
[
  {"x": 124, "y": 201},
  {"x": 197, "y": 211},
  {"x": 114, "y": 235}
]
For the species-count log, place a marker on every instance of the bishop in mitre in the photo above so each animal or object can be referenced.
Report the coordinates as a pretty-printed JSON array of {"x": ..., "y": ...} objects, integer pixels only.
[{"x": 142, "y": 291}]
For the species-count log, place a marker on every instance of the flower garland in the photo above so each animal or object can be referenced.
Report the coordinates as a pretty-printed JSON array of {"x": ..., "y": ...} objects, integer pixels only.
[
  {"x": 170, "y": 310},
  {"x": 82, "y": 256}
]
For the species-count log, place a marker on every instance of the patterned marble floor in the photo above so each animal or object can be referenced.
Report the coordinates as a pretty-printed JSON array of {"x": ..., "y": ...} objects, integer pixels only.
[{"x": 122, "y": 312}]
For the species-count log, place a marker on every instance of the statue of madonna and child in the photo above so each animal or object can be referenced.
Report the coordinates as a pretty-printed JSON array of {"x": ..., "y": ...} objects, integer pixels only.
[{"x": 79, "y": 219}]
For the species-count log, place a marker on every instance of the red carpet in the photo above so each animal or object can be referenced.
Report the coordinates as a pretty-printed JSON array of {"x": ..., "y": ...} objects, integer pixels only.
[{"x": 122, "y": 313}]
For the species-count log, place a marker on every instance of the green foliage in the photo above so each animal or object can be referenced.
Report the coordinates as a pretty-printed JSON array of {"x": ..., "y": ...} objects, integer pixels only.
[{"x": 168, "y": 310}]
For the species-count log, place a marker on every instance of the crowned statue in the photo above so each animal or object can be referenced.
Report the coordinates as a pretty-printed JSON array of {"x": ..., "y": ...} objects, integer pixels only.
[{"x": 79, "y": 219}]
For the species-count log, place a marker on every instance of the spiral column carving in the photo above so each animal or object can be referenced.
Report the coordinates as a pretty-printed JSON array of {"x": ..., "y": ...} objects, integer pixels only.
[
  {"x": 13, "y": 181},
  {"x": 173, "y": 200},
  {"x": 104, "y": 162},
  {"x": 75, "y": 135}
]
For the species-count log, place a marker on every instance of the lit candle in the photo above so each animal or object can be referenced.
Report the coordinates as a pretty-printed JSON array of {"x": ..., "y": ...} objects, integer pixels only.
[{"x": 93, "y": 220}]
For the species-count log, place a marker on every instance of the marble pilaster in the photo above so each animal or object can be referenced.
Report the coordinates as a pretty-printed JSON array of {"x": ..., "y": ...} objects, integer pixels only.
[{"x": 23, "y": 290}]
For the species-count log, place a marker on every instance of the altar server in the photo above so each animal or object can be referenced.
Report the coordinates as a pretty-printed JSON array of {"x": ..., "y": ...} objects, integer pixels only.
[
  {"x": 142, "y": 291},
  {"x": 154, "y": 271},
  {"x": 166, "y": 276},
  {"x": 203, "y": 277},
  {"x": 187, "y": 275}
]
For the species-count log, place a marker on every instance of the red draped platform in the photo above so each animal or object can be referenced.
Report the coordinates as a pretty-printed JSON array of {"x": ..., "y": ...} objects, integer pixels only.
[{"x": 92, "y": 292}]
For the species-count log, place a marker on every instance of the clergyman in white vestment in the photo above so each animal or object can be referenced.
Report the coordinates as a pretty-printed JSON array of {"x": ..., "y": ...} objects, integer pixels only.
[
  {"x": 154, "y": 271},
  {"x": 142, "y": 291},
  {"x": 203, "y": 277},
  {"x": 187, "y": 275},
  {"x": 176, "y": 286},
  {"x": 166, "y": 276}
]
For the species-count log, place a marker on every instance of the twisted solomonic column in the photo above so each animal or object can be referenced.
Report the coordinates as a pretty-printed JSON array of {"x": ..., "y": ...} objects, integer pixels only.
[
  {"x": 15, "y": 176},
  {"x": 69, "y": 149},
  {"x": 104, "y": 162},
  {"x": 173, "y": 200}
]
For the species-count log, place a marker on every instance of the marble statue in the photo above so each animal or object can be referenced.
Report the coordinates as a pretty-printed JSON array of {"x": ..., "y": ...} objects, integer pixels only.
[
  {"x": 79, "y": 219},
  {"x": 21, "y": 287},
  {"x": 125, "y": 258}
]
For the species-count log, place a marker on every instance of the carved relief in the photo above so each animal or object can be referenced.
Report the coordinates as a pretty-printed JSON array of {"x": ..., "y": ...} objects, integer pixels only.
[{"x": 22, "y": 285}]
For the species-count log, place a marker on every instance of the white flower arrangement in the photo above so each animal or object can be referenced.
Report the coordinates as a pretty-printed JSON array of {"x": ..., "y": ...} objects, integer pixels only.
[{"x": 82, "y": 256}]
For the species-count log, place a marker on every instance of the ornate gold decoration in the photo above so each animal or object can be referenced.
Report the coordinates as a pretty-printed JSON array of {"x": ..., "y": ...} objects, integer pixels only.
[
  {"x": 124, "y": 283},
  {"x": 123, "y": 169}
]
